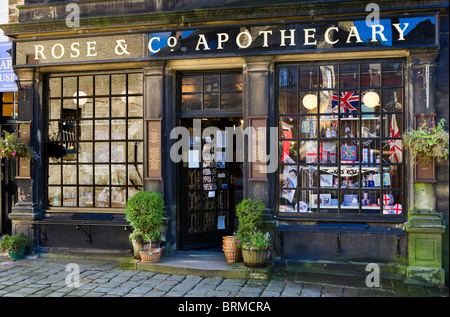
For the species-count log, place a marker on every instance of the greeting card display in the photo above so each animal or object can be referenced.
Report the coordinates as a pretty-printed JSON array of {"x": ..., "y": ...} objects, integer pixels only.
[
  {"x": 351, "y": 200},
  {"x": 327, "y": 152},
  {"x": 348, "y": 153}
]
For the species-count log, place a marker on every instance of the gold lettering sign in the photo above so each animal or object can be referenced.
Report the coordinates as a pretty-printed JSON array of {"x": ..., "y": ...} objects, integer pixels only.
[
  {"x": 259, "y": 138},
  {"x": 154, "y": 149}
]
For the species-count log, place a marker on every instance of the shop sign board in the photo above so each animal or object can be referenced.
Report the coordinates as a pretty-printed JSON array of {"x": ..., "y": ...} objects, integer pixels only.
[
  {"x": 7, "y": 76},
  {"x": 320, "y": 35}
]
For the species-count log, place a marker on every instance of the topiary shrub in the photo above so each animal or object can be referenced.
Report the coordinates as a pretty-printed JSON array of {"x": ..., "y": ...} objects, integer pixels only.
[
  {"x": 248, "y": 212},
  {"x": 144, "y": 211}
]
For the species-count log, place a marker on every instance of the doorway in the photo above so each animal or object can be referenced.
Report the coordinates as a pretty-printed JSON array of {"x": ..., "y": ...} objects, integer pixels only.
[
  {"x": 8, "y": 187},
  {"x": 209, "y": 190}
]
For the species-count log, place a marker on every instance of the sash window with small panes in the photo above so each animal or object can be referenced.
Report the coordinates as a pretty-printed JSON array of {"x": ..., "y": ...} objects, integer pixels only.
[
  {"x": 95, "y": 139},
  {"x": 340, "y": 139}
]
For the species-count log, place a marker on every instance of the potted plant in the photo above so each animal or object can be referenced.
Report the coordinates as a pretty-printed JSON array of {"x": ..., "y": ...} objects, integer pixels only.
[
  {"x": 254, "y": 243},
  {"x": 144, "y": 211},
  {"x": 428, "y": 142},
  {"x": 15, "y": 245}
]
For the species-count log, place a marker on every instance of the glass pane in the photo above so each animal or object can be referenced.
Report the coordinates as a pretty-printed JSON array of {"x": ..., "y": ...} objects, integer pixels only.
[
  {"x": 328, "y": 77},
  {"x": 231, "y": 100},
  {"x": 287, "y": 201},
  {"x": 393, "y": 151},
  {"x": 231, "y": 82},
  {"x": 54, "y": 196},
  {"x": 86, "y": 128},
  {"x": 135, "y": 82},
  {"x": 349, "y": 75},
  {"x": 327, "y": 152},
  {"x": 328, "y": 100},
  {"x": 118, "y": 84},
  {"x": 349, "y": 152},
  {"x": 69, "y": 104},
  {"x": 102, "y": 85},
  {"x": 211, "y": 83},
  {"x": 369, "y": 202},
  {"x": 135, "y": 173},
  {"x": 288, "y": 127},
  {"x": 101, "y": 107},
  {"x": 308, "y": 152},
  {"x": 118, "y": 175},
  {"x": 135, "y": 152},
  {"x": 86, "y": 174},
  {"x": 70, "y": 196},
  {"x": 135, "y": 106},
  {"x": 86, "y": 107},
  {"x": 55, "y": 87},
  {"x": 101, "y": 129},
  {"x": 191, "y": 102},
  {"x": 55, "y": 109},
  {"x": 118, "y": 107},
  {"x": 53, "y": 131},
  {"x": 287, "y": 102},
  {"x": 288, "y": 78},
  {"x": 7, "y": 109},
  {"x": 328, "y": 127},
  {"x": 86, "y": 197},
  {"x": 308, "y": 77},
  {"x": 135, "y": 129},
  {"x": 392, "y": 100},
  {"x": 392, "y": 125},
  {"x": 308, "y": 102},
  {"x": 84, "y": 152},
  {"x": 191, "y": 84},
  {"x": 69, "y": 174},
  {"x": 54, "y": 174},
  {"x": 393, "y": 176},
  {"x": 118, "y": 129},
  {"x": 211, "y": 101},
  {"x": 308, "y": 177},
  {"x": 371, "y": 75},
  {"x": 303, "y": 204},
  {"x": 308, "y": 126},
  {"x": 101, "y": 152},
  {"x": 349, "y": 201},
  {"x": 392, "y": 74},
  {"x": 118, "y": 197},
  {"x": 370, "y": 100},
  {"x": 101, "y": 174},
  {"x": 118, "y": 151},
  {"x": 69, "y": 86},
  {"x": 102, "y": 197},
  {"x": 86, "y": 85}
]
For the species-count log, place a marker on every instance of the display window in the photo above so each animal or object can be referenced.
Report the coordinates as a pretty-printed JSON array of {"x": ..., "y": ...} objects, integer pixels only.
[
  {"x": 95, "y": 139},
  {"x": 340, "y": 138}
]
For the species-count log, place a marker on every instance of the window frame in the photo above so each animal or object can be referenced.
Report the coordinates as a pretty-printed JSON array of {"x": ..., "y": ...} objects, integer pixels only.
[
  {"x": 339, "y": 216},
  {"x": 110, "y": 141}
]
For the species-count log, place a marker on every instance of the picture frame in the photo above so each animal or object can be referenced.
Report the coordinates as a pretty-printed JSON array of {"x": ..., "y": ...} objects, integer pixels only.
[
  {"x": 326, "y": 180},
  {"x": 324, "y": 200}
]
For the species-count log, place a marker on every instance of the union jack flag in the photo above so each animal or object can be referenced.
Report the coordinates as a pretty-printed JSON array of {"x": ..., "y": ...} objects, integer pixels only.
[{"x": 349, "y": 102}]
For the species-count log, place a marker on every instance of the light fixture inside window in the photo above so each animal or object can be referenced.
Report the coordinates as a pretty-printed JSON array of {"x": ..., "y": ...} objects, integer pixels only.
[
  {"x": 371, "y": 99},
  {"x": 81, "y": 101},
  {"x": 310, "y": 100}
]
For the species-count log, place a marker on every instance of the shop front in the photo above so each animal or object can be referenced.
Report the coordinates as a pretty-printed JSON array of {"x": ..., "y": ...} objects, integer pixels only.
[{"x": 170, "y": 106}]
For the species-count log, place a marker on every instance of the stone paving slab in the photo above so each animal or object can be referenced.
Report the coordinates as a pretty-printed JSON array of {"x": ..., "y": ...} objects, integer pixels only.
[{"x": 47, "y": 277}]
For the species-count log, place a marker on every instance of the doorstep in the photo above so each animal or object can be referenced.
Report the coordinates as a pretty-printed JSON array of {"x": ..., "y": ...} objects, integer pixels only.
[{"x": 204, "y": 263}]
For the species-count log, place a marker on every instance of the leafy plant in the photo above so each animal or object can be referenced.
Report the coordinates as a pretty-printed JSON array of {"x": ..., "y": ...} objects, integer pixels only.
[
  {"x": 12, "y": 147},
  {"x": 144, "y": 211},
  {"x": 14, "y": 244},
  {"x": 258, "y": 240},
  {"x": 429, "y": 141},
  {"x": 249, "y": 212}
]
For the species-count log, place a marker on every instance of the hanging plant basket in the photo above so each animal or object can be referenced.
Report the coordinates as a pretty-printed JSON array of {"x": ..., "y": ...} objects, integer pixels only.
[{"x": 12, "y": 147}]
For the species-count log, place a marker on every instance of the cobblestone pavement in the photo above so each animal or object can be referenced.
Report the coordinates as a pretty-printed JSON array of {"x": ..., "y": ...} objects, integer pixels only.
[{"x": 51, "y": 277}]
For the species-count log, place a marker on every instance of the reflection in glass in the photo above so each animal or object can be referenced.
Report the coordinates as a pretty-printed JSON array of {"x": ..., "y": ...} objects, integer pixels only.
[
  {"x": 54, "y": 174},
  {"x": 118, "y": 83},
  {"x": 69, "y": 174},
  {"x": 118, "y": 175},
  {"x": 118, "y": 151},
  {"x": 69, "y": 86},
  {"x": 85, "y": 174},
  {"x": 118, "y": 107},
  {"x": 101, "y": 174},
  {"x": 101, "y": 129},
  {"x": 118, "y": 129},
  {"x": 85, "y": 152},
  {"x": 135, "y": 173},
  {"x": 101, "y": 85},
  {"x": 287, "y": 102},
  {"x": 135, "y": 129},
  {"x": 135, "y": 82}
]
